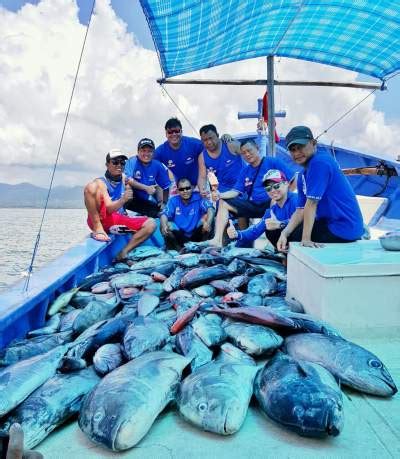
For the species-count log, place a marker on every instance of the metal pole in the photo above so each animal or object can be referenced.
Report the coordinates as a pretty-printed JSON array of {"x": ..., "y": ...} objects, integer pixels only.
[{"x": 271, "y": 105}]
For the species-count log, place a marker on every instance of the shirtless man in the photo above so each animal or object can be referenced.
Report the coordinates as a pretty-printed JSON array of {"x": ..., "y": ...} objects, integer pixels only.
[{"x": 104, "y": 200}]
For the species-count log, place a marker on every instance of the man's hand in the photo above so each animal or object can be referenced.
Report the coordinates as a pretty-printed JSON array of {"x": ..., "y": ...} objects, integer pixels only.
[
  {"x": 16, "y": 445},
  {"x": 215, "y": 195},
  {"x": 272, "y": 224},
  {"x": 128, "y": 194},
  {"x": 316, "y": 245},
  {"x": 151, "y": 189},
  {"x": 282, "y": 244},
  {"x": 165, "y": 230},
  {"x": 206, "y": 228},
  {"x": 231, "y": 231}
]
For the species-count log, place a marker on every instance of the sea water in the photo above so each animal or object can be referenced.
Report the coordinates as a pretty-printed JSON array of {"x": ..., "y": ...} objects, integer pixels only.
[{"x": 61, "y": 229}]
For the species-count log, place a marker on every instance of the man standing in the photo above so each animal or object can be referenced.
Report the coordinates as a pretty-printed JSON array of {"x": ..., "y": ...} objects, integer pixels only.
[
  {"x": 186, "y": 217},
  {"x": 179, "y": 153},
  {"x": 276, "y": 217},
  {"x": 248, "y": 198},
  {"x": 327, "y": 208},
  {"x": 104, "y": 200},
  {"x": 223, "y": 159},
  {"x": 148, "y": 179}
]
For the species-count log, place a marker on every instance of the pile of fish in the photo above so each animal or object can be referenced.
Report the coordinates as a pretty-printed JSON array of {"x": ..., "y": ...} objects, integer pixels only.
[{"x": 205, "y": 329}]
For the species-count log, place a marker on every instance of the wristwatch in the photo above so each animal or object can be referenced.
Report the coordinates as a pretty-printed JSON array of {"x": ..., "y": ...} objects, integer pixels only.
[{"x": 282, "y": 225}]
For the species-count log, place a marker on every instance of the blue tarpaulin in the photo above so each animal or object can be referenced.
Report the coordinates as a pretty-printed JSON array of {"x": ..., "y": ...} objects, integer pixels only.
[{"x": 359, "y": 35}]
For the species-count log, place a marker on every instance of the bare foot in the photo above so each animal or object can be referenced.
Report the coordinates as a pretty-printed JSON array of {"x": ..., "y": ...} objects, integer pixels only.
[{"x": 100, "y": 236}]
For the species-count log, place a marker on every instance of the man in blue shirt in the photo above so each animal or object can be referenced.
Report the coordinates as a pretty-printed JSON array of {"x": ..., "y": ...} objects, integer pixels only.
[
  {"x": 327, "y": 208},
  {"x": 219, "y": 157},
  {"x": 248, "y": 198},
  {"x": 148, "y": 179},
  {"x": 186, "y": 217},
  {"x": 179, "y": 153},
  {"x": 276, "y": 217},
  {"x": 105, "y": 198}
]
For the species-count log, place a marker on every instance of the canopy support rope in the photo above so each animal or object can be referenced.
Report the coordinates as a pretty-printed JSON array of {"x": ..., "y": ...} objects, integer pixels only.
[
  {"x": 36, "y": 246},
  {"x": 179, "y": 109}
]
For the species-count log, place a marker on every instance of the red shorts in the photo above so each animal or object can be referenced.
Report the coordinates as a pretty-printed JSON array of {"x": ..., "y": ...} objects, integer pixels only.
[{"x": 108, "y": 220}]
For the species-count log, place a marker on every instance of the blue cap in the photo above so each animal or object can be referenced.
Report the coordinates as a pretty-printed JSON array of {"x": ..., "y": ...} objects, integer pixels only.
[{"x": 299, "y": 134}]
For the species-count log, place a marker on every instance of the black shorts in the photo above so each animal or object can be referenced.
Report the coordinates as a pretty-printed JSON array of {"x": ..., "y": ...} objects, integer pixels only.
[
  {"x": 320, "y": 233},
  {"x": 249, "y": 209},
  {"x": 142, "y": 207}
]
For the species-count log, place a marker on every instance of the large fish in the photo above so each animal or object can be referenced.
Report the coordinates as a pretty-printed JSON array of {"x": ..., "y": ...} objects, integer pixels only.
[
  {"x": 351, "y": 364},
  {"x": 145, "y": 251},
  {"x": 258, "y": 315},
  {"x": 92, "y": 313},
  {"x": 51, "y": 326},
  {"x": 49, "y": 406},
  {"x": 216, "y": 396},
  {"x": 27, "y": 348},
  {"x": 173, "y": 281},
  {"x": 131, "y": 279},
  {"x": 189, "y": 345},
  {"x": 262, "y": 284},
  {"x": 231, "y": 353},
  {"x": 121, "y": 409},
  {"x": 253, "y": 339},
  {"x": 200, "y": 276},
  {"x": 147, "y": 303},
  {"x": 145, "y": 334},
  {"x": 19, "y": 380},
  {"x": 107, "y": 358},
  {"x": 300, "y": 395},
  {"x": 209, "y": 329}
]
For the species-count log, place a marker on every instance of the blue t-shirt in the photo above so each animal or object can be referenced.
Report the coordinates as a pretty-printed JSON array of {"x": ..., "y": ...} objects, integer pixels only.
[
  {"x": 183, "y": 162},
  {"x": 226, "y": 167},
  {"x": 323, "y": 181},
  {"x": 250, "y": 179},
  {"x": 282, "y": 214},
  {"x": 153, "y": 173},
  {"x": 186, "y": 216}
]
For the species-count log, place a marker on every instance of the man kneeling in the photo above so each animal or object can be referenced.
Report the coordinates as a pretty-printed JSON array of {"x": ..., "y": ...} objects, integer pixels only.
[
  {"x": 104, "y": 200},
  {"x": 276, "y": 217},
  {"x": 186, "y": 217}
]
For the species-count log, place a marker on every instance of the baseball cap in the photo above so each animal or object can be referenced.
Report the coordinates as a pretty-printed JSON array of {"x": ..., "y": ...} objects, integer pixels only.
[
  {"x": 115, "y": 153},
  {"x": 274, "y": 175},
  {"x": 145, "y": 142},
  {"x": 299, "y": 134}
]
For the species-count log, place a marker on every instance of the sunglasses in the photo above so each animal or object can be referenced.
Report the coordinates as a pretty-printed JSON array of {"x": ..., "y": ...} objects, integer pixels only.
[
  {"x": 174, "y": 131},
  {"x": 116, "y": 162},
  {"x": 185, "y": 188},
  {"x": 276, "y": 186}
]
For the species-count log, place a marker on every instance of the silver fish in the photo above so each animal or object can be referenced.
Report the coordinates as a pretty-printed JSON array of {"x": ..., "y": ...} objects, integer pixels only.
[
  {"x": 51, "y": 326},
  {"x": 130, "y": 279},
  {"x": 209, "y": 329},
  {"x": 33, "y": 346},
  {"x": 61, "y": 301},
  {"x": 300, "y": 395},
  {"x": 107, "y": 358},
  {"x": 351, "y": 364},
  {"x": 145, "y": 334},
  {"x": 189, "y": 345},
  {"x": 92, "y": 313},
  {"x": 53, "y": 403},
  {"x": 216, "y": 396},
  {"x": 262, "y": 284},
  {"x": 252, "y": 339},
  {"x": 147, "y": 303},
  {"x": 231, "y": 353},
  {"x": 21, "y": 379},
  {"x": 121, "y": 409}
]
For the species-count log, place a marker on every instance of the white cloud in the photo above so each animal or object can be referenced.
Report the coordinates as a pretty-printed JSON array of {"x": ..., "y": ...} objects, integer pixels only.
[{"x": 117, "y": 100}]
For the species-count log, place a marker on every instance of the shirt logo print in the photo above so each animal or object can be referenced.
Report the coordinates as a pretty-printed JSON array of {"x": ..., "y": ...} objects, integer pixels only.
[
  {"x": 178, "y": 211},
  {"x": 304, "y": 185},
  {"x": 170, "y": 163},
  {"x": 138, "y": 175}
]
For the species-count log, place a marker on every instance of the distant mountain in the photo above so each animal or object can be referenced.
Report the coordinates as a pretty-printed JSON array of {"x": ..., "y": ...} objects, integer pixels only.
[{"x": 28, "y": 195}]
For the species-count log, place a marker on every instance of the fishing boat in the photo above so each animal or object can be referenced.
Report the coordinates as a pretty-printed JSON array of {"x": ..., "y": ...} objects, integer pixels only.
[{"x": 270, "y": 29}]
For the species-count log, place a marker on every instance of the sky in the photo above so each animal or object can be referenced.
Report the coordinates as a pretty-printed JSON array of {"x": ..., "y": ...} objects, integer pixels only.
[{"x": 117, "y": 100}]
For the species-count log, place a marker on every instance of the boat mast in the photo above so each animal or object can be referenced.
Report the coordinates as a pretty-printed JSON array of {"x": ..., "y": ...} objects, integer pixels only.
[{"x": 271, "y": 105}]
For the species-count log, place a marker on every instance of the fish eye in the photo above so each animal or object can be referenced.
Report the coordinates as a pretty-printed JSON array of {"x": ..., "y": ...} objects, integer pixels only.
[
  {"x": 202, "y": 407},
  {"x": 375, "y": 363},
  {"x": 98, "y": 416}
]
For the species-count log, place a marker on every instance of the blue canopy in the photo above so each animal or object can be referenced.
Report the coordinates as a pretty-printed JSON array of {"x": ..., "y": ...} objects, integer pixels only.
[{"x": 359, "y": 35}]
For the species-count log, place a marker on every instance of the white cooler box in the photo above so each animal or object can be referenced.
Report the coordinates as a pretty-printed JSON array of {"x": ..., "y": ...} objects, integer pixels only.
[{"x": 355, "y": 287}]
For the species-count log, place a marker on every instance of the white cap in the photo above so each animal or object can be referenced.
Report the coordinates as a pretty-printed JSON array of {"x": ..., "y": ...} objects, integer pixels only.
[{"x": 115, "y": 153}]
